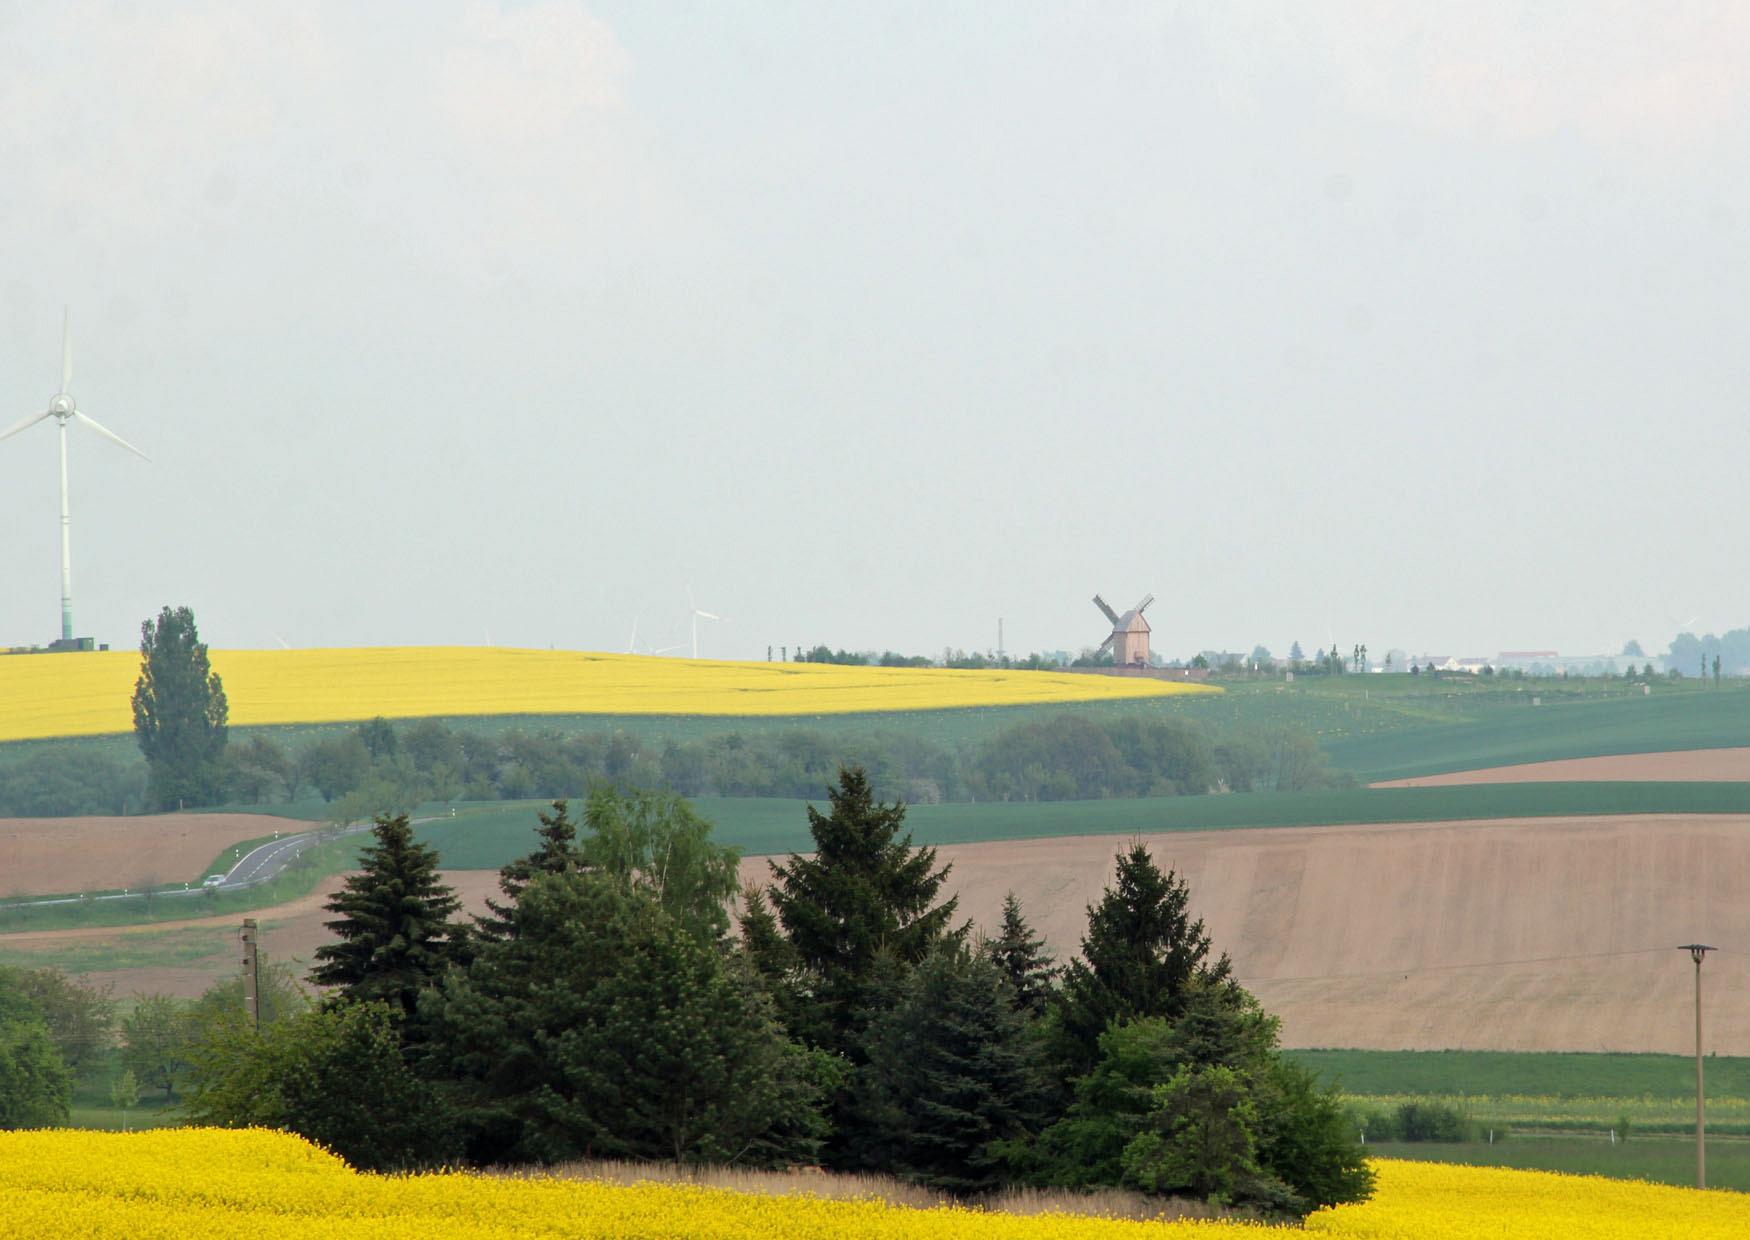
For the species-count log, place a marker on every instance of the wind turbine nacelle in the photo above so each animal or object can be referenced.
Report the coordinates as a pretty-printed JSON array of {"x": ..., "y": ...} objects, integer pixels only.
[{"x": 62, "y": 406}]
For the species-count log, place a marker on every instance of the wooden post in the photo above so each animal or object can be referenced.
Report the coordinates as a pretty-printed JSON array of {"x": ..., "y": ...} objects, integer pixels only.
[
  {"x": 251, "y": 975},
  {"x": 1696, "y": 952}
]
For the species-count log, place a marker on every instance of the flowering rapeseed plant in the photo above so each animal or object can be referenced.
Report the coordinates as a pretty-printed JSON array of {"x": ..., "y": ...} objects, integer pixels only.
[
  {"x": 214, "y": 1183},
  {"x": 89, "y": 694}
]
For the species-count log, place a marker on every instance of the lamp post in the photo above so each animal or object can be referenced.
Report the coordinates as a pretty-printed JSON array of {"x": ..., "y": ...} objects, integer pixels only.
[{"x": 1696, "y": 952}]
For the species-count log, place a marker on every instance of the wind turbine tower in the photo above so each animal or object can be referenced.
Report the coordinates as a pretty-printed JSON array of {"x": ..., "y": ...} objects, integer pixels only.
[
  {"x": 64, "y": 409},
  {"x": 698, "y": 615}
]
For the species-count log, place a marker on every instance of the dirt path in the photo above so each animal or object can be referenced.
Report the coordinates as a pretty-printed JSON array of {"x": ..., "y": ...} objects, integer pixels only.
[
  {"x": 64, "y": 856},
  {"x": 1703, "y": 765}
]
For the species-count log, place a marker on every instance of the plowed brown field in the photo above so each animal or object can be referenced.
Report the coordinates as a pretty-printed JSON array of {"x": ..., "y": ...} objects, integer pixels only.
[
  {"x": 1701, "y": 765},
  {"x": 1535, "y": 934},
  {"x": 64, "y": 856}
]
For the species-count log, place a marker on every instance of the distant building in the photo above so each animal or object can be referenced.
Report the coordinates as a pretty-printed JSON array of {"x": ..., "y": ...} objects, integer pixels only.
[{"x": 1129, "y": 637}]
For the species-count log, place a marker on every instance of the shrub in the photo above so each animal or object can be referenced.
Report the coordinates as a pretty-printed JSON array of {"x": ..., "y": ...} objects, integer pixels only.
[{"x": 1433, "y": 1121}]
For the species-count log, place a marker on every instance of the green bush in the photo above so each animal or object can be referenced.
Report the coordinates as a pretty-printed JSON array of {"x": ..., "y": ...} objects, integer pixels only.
[{"x": 1433, "y": 1121}]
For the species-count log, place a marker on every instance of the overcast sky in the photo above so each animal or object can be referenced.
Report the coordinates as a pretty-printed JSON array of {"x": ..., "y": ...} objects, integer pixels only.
[{"x": 1416, "y": 326}]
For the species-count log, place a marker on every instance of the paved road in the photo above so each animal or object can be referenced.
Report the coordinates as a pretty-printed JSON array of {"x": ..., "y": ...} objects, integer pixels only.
[{"x": 254, "y": 868}]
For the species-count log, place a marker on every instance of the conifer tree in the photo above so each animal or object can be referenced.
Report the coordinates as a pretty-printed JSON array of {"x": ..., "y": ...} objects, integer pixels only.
[
  {"x": 866, "y": 893},
  {"x": 602, "y": 1027},
  {"x": 1139, "y": 957},
  {"x": 394, "y": 929},
  {"x": 557, "y": 853},
  {"x": 950, "y": 1075},
  {"x": 1021, "y": 955}
]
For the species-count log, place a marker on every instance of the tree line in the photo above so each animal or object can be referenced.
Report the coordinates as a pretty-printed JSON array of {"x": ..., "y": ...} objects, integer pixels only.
[
  {"x": 608, "y": 1005},
  {"x": 380, "y": 765}
]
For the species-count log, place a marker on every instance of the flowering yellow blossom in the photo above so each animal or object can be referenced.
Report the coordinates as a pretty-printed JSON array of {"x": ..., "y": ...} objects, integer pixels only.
[
  {"x": 215, "y": 1184},
  {"x": 88, "y": 694},
  {"x": 1445, "y": 1202}
]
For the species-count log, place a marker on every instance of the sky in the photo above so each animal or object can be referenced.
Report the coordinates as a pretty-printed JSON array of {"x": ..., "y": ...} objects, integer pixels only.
[{"x": 1417, "y": 325}]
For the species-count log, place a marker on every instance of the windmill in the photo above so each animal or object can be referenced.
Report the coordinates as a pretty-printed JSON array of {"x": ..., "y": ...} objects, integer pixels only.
[
  {"x": 698, "y": 616},
  {"x": 1129, "y": 636},
  {"x": 64, "y": 409}
]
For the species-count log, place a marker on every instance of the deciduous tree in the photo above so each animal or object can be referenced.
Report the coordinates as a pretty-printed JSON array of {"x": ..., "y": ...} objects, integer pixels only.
[
  {"x": 179, "y": 713},
  {"x": 156, "y": 1038}
]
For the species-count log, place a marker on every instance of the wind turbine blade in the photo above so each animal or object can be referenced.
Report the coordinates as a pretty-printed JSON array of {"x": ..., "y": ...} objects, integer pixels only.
[
  {"x": 66, "y": 350},
  {"x": 109, "y": 434},
  {"x": 19, "y": 425},
  {"x": 705, "y": 615}
]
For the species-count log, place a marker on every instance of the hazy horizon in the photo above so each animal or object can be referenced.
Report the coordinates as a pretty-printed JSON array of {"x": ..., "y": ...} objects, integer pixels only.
[{"x": 1412, "y": 326}]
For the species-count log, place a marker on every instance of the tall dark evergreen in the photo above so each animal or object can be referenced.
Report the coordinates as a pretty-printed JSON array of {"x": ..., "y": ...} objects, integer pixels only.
[
  {"x": 864, "y": 895},
  {"x": 601, "y": 1027},
  {"x": 1021, "y": 955},
  {"x": 951, "y": 1076},
  {"x": 179, "y": 713},
  {"x": 395, "y": 932},
  {"x": 1141, "y": 954},
  {"x": 557, "y": 853}
]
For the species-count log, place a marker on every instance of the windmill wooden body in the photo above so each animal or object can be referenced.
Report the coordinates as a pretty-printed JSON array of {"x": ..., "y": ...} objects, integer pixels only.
[{"x": 1129, "y": 637}]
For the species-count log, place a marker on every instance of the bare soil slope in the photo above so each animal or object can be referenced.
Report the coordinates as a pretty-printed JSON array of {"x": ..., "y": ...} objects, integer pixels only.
[
  {"x": 63, "y": 856},
  {"x": 1534, "y": 934},
  {"x": 1700, "y": 765}
]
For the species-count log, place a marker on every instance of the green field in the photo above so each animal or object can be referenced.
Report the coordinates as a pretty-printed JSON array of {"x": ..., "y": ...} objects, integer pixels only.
[
  {"x": 487, "y": 836},
  {"x": 1545, "y": 1092},
  {"x": 1561, "y": 1075},
  {"x": 1376, "y": 726}
]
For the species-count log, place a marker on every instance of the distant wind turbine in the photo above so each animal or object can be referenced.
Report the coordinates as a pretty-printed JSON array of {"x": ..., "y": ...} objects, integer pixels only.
[
  {"x": 63, "y": 408},
  {"x": 698, "y": 616},
  {"x": 632, "y": 643}
]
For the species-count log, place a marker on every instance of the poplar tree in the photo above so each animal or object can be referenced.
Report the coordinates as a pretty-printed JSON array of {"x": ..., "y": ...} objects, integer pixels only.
[
  {"x": 394, "y": 923},
  {"x": 179, "y": 713}
]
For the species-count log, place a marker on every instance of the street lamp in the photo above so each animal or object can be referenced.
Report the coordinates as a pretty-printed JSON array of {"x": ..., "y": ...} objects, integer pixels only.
[{"x": 1696, "y": 952}]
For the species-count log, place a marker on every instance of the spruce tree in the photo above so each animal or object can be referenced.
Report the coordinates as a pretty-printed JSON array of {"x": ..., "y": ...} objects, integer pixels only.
[
  {"x": 557, "y": 853},
  {"x": 1021, "y": 955},
  {"x": 179, "y": 714},
  {"x": 601, "y": 1027},
  {"x": 866, "y": 893},
  {"x": 1141, "y": 954},
  {"x": 950, "y": 1075},
  {"x": 396, "y": 936}
]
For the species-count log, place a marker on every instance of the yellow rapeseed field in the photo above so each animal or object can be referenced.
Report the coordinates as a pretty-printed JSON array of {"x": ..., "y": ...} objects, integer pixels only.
[
  {"x": 210, "y": 1183},
  {"x": 88, "y": 694}
]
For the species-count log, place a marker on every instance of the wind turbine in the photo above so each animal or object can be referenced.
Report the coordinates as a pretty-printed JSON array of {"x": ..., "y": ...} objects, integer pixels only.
[
  {"x": 632, "y": 645},
  {"x": 698, "y": 616},
  {"x": 63, "y": 408}
]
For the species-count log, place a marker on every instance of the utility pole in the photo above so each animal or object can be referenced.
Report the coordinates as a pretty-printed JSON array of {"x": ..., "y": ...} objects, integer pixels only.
[
  {"x": 251, "y": 975},
  {"x": 1696, "y": 952}
]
